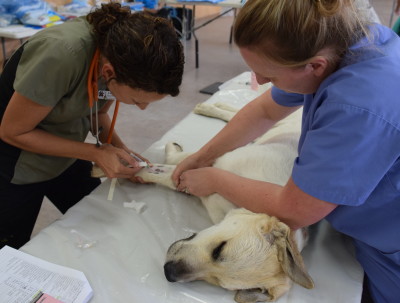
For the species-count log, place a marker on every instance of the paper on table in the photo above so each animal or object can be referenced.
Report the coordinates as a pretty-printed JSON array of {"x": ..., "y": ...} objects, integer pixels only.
[{"x": 23, "y": 276}]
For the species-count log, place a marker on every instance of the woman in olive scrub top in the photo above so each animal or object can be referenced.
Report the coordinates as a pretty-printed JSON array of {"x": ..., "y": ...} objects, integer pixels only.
[{"x": 45, "y": 113}]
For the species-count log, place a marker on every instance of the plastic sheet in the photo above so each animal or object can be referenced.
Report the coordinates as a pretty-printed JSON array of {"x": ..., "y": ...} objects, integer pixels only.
[{"x": 126, "y": 262}]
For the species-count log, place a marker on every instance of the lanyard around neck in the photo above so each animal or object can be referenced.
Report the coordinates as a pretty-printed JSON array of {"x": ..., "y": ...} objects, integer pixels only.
[{"x": 93, "y": 92}]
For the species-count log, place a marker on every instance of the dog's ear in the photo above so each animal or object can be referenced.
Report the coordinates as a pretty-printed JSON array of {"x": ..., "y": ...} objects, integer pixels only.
[
  {"x": 252, "y": 295},
  {"x": 289, "y": 255}
]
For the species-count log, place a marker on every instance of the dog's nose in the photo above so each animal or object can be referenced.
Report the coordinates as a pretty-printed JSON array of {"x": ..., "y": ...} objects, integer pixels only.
[
  {"x": 169, "y": 271},
  {"x": 177, "y": 271}
]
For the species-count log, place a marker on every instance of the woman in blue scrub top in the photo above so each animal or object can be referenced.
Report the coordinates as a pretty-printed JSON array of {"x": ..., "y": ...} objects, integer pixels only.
[{"x": 345, "y": 73}]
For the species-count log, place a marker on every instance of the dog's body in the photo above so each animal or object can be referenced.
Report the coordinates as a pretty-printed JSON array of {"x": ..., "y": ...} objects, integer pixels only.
[
  {"x": 254, "y": 254},
  {"x": 270, "y": 158}
]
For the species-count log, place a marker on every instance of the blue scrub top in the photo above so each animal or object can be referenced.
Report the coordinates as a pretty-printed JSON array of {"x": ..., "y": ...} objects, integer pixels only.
[{"x": 349, "y": 153}]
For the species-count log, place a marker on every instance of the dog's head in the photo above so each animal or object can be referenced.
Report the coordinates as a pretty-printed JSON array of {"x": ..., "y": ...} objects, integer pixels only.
[{"x": 252, "y": 253}]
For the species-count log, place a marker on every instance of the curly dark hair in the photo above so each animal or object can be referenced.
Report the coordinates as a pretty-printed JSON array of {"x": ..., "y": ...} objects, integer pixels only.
[{"x": 144, "y": 50}]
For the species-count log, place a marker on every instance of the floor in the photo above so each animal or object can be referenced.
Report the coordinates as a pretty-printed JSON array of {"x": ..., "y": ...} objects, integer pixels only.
[{"x": 218, "y": 61}]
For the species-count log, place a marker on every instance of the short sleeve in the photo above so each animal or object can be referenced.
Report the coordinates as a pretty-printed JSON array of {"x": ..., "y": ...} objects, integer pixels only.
[
  {"x": 286, "y": 99},
  {"x": 345, "y": 154},
  {"x": 47, "y": 71}
]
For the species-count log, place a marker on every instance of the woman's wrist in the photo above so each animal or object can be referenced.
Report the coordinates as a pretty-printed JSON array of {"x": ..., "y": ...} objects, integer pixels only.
[{"x": 205, "y": 158}]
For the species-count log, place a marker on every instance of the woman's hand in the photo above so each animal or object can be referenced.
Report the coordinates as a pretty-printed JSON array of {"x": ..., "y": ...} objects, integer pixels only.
[
  {"x": 116, "y": 162},
  {"x": 199, "y": 182},
  {"x": 137, "y": 157},
  {"x": 192, "y": 162}
]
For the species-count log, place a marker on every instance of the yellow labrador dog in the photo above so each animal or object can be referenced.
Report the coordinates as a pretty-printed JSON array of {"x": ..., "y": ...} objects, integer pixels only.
[{"x": 254, "y": 254}]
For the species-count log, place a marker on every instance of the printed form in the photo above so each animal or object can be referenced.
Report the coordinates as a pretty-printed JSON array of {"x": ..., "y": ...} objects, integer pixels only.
[{"x": 25, "y": 278}]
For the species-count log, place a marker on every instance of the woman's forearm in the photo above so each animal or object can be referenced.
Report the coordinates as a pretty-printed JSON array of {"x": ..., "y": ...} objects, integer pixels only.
[
  {"x": 19, "y": 127},
  {"x": 288, "y": 203},
  {"x": 42, "y": 142},
  {"x": 249, "y": 123}
]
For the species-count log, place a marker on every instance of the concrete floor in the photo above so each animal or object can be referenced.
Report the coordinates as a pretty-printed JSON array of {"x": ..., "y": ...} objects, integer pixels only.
[{"x": 219, "y": 61}]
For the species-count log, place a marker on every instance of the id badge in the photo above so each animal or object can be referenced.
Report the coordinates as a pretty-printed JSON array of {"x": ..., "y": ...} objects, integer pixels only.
[{"x": 105, "y": 95}]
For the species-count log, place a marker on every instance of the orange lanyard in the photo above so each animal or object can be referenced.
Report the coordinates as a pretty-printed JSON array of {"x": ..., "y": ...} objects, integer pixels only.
[{"x": 93, "y": 93}]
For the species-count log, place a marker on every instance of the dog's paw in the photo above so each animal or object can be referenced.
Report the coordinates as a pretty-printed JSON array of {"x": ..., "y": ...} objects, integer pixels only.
[
  {"x": 174, "y": 153},
  {"x": 225, "y": 106},
  {"x": 204, "y": 109},
  {"x": 97, "y": 172},
  {"x": 211, "y": 110},
  {"x": 173, "y": 147}
]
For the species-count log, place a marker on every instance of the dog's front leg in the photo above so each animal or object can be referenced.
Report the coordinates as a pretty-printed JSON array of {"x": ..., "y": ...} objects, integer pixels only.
[{"x": 159, "y": 174}]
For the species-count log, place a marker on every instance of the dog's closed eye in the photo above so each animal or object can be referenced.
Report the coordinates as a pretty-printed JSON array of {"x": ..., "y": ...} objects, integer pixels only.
[{"x": 217, "y": 251}]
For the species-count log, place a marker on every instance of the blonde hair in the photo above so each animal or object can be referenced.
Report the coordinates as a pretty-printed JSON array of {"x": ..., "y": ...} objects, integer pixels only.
[{"x": 290, "y": 32}]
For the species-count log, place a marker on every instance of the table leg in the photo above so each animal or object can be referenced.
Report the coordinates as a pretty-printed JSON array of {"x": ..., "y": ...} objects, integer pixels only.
[
  {"x": 231, "y": 33},
  {"x": 184, "y": 22},
  {"x": 197, "y": 52}
]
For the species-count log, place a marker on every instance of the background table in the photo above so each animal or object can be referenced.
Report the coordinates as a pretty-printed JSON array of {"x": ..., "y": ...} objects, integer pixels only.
[
  {"x": 15, "y": 32},
  {"x": 189, "y": 26},
  {"x": 125, "y": 250}
]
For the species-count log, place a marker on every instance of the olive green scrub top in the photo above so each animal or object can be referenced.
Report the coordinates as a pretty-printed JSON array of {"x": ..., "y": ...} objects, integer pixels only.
[{"x": 53, "y": 71}]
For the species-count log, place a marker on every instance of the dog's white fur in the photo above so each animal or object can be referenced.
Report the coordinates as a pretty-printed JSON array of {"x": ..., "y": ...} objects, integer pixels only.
[{"x": 255, "y": 254}]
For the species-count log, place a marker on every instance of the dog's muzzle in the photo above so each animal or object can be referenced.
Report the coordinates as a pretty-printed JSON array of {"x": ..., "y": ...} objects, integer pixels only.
[{"x": 175, "y": 271}]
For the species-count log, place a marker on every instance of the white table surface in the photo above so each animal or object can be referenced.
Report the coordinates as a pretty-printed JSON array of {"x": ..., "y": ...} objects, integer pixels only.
[{"x": 126, "y": 250}]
